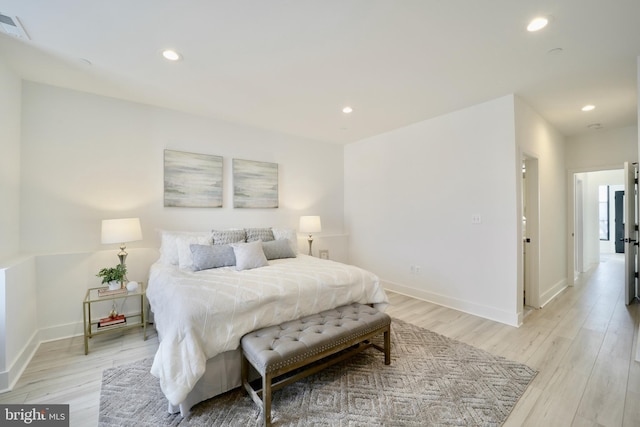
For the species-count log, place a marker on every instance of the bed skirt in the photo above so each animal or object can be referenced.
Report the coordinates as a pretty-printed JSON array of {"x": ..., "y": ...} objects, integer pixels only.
[{"x": 222, "y": 374}]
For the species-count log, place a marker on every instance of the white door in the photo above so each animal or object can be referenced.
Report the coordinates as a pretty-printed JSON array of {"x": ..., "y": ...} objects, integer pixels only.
[
  {"x": 530, "y": 227},
  {"x": 630, "y": 233}
]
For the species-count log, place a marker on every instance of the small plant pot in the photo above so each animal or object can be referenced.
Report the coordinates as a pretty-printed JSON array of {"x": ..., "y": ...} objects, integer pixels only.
[{"x": 113, "y": 285}]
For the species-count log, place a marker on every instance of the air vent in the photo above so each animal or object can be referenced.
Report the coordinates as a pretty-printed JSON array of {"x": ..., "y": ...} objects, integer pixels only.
[{"x": 12, "y": 26}]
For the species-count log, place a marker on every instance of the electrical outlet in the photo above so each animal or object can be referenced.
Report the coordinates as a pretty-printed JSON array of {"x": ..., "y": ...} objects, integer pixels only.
[{"x": 476, "y": 219}]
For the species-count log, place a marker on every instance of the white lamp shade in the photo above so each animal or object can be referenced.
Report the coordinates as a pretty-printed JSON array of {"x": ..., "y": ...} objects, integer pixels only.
[
  {"x": 121, "y": 230},
  {"x": 310, "y": 224}
]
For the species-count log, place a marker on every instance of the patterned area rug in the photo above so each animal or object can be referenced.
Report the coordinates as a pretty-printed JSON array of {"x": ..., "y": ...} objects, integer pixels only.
[{"x": 432, "y": 381}]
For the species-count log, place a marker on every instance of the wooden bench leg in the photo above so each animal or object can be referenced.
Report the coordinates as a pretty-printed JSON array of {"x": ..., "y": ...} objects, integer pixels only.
[
  {"x": 387, "y": 346},
  {"x": 266, "y": 399},
  {"x": 244, "y": 368}
]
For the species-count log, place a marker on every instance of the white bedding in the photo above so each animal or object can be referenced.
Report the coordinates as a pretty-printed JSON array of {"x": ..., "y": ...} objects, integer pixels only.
[{"x": 199, "y": 315}]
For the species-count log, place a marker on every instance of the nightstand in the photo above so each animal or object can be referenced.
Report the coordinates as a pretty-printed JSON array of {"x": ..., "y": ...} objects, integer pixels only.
[{"x": 133, "y": 320}]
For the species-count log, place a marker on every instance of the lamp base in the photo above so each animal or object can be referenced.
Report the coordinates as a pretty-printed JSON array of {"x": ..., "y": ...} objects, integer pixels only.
[
  {"x": 310, "y": 240},
  {"x": 122, "y": 256}
]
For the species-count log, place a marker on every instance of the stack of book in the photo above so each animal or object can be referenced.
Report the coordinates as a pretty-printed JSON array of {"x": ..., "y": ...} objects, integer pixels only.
[
  {"x": 112, "y": 321},
  {"x": 106, "y": 292}
]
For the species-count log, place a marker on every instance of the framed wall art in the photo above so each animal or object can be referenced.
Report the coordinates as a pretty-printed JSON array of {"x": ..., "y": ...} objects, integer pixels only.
[
  {"x": 192, "y": 180},
  {"x": 255, "y": 184}
]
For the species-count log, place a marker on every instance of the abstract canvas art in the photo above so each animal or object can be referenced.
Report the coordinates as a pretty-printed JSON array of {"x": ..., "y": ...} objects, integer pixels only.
[
  {"x": 192, "y": 180},
  {"x": 255, "y": 184}
]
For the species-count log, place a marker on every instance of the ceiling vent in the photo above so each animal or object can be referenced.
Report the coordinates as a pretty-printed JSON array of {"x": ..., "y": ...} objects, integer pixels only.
[{"x": 12, "y": 26}]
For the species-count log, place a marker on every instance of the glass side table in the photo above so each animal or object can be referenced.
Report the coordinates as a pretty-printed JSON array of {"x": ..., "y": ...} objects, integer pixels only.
[{"x": 133, "y": 320}]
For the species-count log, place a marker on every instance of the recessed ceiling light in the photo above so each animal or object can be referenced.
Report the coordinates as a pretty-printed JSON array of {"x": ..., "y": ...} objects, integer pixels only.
[
  {"x": 347, "y": 110},
  {"x": 537, "y": 24},
  {"x": 589, "y": 107},
  {"x": 171, "y": 55}
]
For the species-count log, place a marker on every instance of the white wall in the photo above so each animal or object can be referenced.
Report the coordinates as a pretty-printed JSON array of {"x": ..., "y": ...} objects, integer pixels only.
[
  {"x": 87, "y": 158},
  {"x": 602, "y": 149},
  {"x": 16, "y": 296},
  {"x": 10, "y": 86},
  {"x": 19, "y": 318},
  {"x": 537, "y": 138},
  {"x": 410, "y": 195}
]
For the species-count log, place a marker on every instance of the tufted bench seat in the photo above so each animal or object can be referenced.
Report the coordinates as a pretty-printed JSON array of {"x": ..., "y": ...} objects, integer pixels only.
[{"x": 277, "y": 350}]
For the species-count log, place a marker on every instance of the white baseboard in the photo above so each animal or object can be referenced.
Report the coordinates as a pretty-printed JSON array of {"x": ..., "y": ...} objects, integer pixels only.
[
  {"x": 10, "y": 377},
  {"x": 491, "y": 313},
  {"x": 58, "y": 332},
  {"x": 548, "y": 296}
]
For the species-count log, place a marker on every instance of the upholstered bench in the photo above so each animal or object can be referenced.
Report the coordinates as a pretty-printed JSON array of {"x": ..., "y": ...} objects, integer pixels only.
[{"x": 277, "y": 350}]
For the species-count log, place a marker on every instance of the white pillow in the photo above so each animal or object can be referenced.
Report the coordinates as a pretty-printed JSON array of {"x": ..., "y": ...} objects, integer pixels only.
[
  {"x": 288, "y": 234},
  {"x": 184, "y": 242},
  {"x": 249, "y": 255},
  {"x": 169, "y": 245}
]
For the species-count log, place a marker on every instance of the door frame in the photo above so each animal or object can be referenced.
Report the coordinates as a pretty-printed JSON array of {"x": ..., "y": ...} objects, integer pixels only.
[{"x": 578, "y": 232}]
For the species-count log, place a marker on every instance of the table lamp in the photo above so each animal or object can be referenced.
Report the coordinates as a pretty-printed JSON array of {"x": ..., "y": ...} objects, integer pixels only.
[
  {"x": 310, "y": 224},
  {"x": 121, "y": 231}
]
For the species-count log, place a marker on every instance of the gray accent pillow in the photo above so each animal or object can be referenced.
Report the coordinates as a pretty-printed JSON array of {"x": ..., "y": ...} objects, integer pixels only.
[
  {"x": 254, "y": 234},
  {"x": 249, "y": 255},
  {"x": 276, "y": 249},
  {"x": 207, "y": 256},
  {"x": 225, "y": 237},
  {"x": 288, "y": 234}
]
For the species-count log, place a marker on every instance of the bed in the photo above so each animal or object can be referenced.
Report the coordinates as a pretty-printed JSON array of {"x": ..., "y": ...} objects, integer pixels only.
[{"x": 202, "y": 313}]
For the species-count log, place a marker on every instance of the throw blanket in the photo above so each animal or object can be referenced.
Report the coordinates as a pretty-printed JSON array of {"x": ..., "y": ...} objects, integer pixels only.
[{"x": 199, "y": 315}]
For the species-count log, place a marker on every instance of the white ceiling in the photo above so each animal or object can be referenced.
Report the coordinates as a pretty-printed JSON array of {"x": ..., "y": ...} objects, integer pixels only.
[{"x": 290, "y": 66}]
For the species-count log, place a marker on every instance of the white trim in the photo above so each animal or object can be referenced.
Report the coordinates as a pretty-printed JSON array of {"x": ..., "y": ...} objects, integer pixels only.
[
  {"x": 556, "y": 290},
  {"x": 511, "y": 319},
  {"x": 10, "y": 377},
  {"x": 58, "y": 332}
]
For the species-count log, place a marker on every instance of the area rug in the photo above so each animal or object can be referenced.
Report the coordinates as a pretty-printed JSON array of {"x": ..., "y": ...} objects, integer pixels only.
[{"x": 432, "y": 381}]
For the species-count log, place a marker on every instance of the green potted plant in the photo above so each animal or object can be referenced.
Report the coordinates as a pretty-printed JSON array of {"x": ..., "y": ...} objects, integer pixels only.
[{"x": 113, "y": 276}]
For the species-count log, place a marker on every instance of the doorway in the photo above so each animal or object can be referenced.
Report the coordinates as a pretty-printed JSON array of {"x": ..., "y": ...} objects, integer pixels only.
[{"x": 594, "y": 212}]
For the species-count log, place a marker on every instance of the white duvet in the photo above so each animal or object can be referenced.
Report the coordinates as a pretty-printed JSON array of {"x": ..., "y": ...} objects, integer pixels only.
[{"x": 201, "y": 314}]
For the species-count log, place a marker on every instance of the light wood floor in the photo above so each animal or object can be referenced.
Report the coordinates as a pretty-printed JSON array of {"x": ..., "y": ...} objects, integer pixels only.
[{"x": 582, "y": 344}]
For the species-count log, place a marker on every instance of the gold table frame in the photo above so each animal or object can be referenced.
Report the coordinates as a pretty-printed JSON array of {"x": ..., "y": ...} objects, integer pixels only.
[{"x": 91, "y": 326}]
